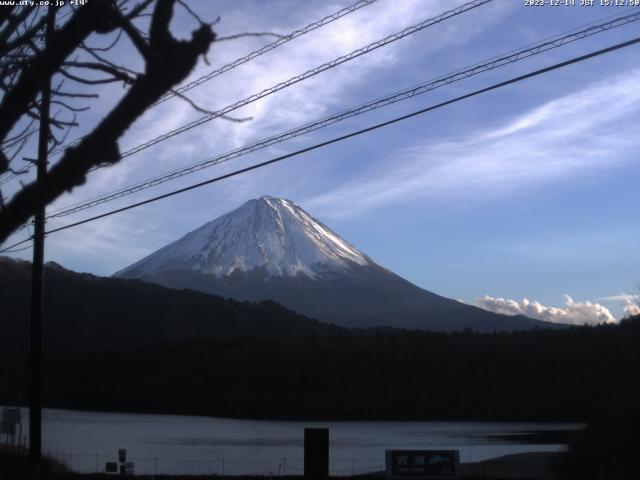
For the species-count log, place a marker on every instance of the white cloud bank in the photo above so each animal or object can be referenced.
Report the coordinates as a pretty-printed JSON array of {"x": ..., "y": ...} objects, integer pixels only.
[
  {"x": 630, "y": 303},
  {"x": 574, "y": 313},
  {"x": 631, "y": 308}
]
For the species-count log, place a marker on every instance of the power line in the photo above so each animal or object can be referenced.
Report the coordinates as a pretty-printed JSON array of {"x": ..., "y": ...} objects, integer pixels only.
[
  {"x": 9, "y": 175},
  {"x": 19, "y": 249},
  {"x": 349, "y": 135},
  {"x": 354, "y": 54},
  {"x": 12, "y": 246},
  {"x": 419, "y": 89},
  {"x": 308, "y": 74},
  {"x": 250, "y": 56},
  {"x": 267, "y": 48}
]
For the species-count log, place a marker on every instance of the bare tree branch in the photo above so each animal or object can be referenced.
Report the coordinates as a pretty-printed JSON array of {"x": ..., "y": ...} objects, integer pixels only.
[
  {"x": 138, "y": 9},
  {"x": 13, "y": 23},
  {"x": 109, "y": 46},
  {"x": 5, "y": 13},
  {"x": 86, "y": 81},
  {"x": 115, "y": 72},
  {"x": 104, "y": 61},
  {"x": 168, "y": 62},
  {"x": 194, "y": 14},
  {"x": 74, "y": 95},
  {"x": 97, "y": 16},
  {"x": 69, "y": 107},
  {"x": 136, "y": 38},
  {"x": 195, "y": 106},
  {"x": 27, "y": 35}
]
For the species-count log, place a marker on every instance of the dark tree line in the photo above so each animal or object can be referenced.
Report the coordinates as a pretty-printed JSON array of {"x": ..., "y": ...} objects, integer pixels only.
[
  {"x": 86, "y": 312},
  {"x": 539, "y": 375},
  {"x": 115, "y": 344}
]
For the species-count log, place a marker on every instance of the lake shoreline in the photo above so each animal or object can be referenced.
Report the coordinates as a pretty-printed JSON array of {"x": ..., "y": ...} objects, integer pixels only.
[
  {"x": 541, "y": 466},
  {"x": 189, "y": 445},
  {"x": 310, "y": 418}
]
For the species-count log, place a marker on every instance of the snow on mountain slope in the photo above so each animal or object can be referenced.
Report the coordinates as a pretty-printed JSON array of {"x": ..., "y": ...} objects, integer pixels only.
[
  {"x": 269, "y": 233},
  {"x": 271, "y": 249}
]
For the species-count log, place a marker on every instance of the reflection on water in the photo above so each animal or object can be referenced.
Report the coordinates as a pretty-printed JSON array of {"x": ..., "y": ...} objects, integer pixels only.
[{"x": 171, "y": 444}]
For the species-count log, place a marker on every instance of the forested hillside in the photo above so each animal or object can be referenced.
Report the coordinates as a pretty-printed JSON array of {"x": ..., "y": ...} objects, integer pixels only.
[
  {"x": 538, "y": 375},
  {"x": 83, "y": 311}
]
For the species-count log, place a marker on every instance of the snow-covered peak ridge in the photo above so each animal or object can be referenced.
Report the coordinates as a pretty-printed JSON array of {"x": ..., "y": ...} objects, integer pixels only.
[{"x": 270, "y": 233}]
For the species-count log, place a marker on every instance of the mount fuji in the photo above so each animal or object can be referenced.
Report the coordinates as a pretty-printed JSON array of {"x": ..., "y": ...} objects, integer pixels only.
[{"x": 270, "y": 248}]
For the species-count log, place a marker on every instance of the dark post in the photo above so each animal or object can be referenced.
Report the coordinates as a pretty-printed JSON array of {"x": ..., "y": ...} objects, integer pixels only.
[
  {"x": 35, "y": 383},
  {"x": 316, "y": 453}
]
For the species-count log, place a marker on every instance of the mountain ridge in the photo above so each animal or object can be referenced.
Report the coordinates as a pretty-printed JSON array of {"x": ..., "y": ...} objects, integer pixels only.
[
  {"x": 271, "y": 248},
  {"x": 84, "y": 311}
]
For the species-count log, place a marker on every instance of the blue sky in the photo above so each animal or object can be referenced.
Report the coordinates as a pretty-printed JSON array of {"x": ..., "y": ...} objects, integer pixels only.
[{"x": 528, "y": 192}]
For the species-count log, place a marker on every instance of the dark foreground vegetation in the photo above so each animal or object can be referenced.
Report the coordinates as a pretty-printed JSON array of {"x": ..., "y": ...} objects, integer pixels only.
[
  {"x": 606, "y": 449},
  {"x": 85, "y": 312},
  {"x": 561, "y": 375},
  {"x": 263, "y": 361}
]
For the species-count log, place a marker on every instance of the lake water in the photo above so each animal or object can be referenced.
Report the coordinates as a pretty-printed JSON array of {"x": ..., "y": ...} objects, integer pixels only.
[{"x": 172, "y": 444}]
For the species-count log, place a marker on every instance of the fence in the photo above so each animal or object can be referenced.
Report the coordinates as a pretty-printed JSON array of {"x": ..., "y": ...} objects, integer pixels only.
[{"x": 95, "y": 463}]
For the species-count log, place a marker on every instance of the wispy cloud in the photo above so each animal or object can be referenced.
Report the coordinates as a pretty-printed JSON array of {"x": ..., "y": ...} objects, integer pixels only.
[
  {"x": 587, "y": 131},
  {"x": 299, "y": 104},
  {"x": 621, "y": 297},
  {"x": 574, "y": 313}
]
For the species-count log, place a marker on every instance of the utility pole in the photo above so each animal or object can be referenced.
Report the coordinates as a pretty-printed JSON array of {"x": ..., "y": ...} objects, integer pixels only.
[{"x": 37, "y": 284}]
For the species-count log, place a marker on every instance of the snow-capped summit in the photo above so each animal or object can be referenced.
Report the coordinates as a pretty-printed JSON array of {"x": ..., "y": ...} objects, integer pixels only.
[
  {"x": 270, "y": 233},
  {"x": 271, "y": 249}
]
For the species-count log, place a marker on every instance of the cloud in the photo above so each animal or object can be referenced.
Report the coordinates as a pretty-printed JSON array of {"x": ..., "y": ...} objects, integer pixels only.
[
  {"x": 303, "y": 102},
  {"x": 560, "y": 140},
  {"x": 630, "y": 309},
  {"x": 574, "y": 313},
  {"x": 630, "y": 303},
  {"x": 622, "y": 297},
  {"x": 309, "y": 100}
]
